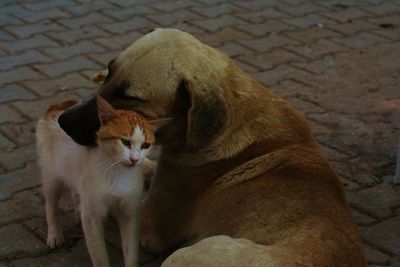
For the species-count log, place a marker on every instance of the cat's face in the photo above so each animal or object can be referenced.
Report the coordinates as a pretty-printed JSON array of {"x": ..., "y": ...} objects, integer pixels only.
[{"x": 124, "y": 136}]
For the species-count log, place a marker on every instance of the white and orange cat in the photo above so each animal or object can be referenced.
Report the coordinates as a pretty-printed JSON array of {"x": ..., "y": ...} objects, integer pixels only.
[{"x": 107, "y": 179}]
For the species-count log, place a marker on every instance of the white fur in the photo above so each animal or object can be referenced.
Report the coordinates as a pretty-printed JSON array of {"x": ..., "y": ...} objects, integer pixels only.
[{"x": 103, "y": 182}]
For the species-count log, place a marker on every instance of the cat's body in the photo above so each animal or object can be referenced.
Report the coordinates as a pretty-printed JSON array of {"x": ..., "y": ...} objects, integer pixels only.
[{"x": 108, "y": 178}]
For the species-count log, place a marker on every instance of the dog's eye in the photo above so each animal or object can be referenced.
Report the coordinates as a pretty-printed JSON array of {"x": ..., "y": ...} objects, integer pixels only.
[
  {"x": 120, "y": 91},
  {"x": 126, "y": 142}
]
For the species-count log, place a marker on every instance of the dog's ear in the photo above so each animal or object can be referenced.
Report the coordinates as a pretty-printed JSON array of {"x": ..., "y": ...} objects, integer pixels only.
[{"x": 207, "y": 115}]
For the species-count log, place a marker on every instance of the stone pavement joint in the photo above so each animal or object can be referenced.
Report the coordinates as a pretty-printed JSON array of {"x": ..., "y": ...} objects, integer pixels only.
[{"x": 336, "y": 61}]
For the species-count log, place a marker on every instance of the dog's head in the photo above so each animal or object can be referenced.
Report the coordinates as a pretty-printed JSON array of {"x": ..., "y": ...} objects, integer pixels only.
[{"x": 166, "y": 73}]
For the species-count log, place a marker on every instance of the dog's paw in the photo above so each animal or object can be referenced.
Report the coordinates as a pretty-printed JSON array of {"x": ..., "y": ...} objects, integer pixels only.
[{"x": 55, "y": 240}]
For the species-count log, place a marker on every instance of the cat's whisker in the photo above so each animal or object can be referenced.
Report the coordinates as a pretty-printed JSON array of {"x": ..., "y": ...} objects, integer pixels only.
[{"x": 112, "y": 165}]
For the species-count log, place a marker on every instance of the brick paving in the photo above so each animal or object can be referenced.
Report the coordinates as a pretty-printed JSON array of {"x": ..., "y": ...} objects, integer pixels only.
[{"x": 335, "y": 60}]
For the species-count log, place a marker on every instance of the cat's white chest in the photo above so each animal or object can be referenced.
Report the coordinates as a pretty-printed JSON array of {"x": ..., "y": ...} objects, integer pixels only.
[{"x": 126, "y": 181}]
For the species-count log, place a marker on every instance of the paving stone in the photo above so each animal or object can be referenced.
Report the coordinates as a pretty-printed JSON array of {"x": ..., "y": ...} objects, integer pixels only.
[
  {"x": 63, "y": 67},
  {"x": 88, "y": 7},
  {"x": 232, "y": 49},
  {"x": 103, "y": 58},
  {"x": 36, "y": 109},
  {"x": 215, "y": 11},
  {"x": 391, "y": 34},
  {"x": 45, "y": 5},
  {"x": 7, "y": 20},
  {"x": 318, "y": 66},
  {"x": 60, "y": 258},
  {"x": 83, "y": 33},
  {"x": 245, "y": 66},
  {"x": 382, "y": 9},
  {"x": 316, "y": 50},
  {"x": 292, "y": 88},
  {"x": 267, "y": 43},
  {"x": 81, "y": 253},
  {"x": 261, "y": 15},
  {"x": 385, "y": 235},
  {"x": 353, "y": 27},
  {"x": 25, "y": 58},
  {"x": 34, "y": 28},
  {"x": 38, "y": 41},
  {"x": 24, "y": 154},
  {"x": 126, "y": 13},
  {"x": 13, "y": 92},
  {"x": 362, "y": 39},
  {"x": 223, "y": 35},
  {"x": 16, "y": 241},
  {"x": 378, "y": 200},
  {"x": 265, "y": 27},
  {"x": 79, "y": 22},
  {"x": 257, "y": 4},
  {"x": 5, "y": 36},
  {"x": 21, "y": 179},
  {"x": 65, "y": 52},
  {"x": 127, "y": 26},
  {"x": 217, "y": 23},
  {"x": 272, "y": 77},
  {"x": 9, "y": 115},
  {"x": 19, "y": 74},
  {"x": 346, "y": 15},
  {"x": 302, "y": 9},
  {"x": 119, "y": 42},
  {"x": 362, "y": 219},
  {"x": 63, "y": 83},
  {"x": 21, "y": 134},
  {"x": 171, "y": 19},
  {"x": 50, "y": 14},
  {"x": 21, "y": 207},
  {"x": 310, "y": 35},
  {"x": 272, "y": 59},
  {"x": 309, "y": 21},
  {"x": 173, "y": 5},
  {"x": 376, "y": 256},
  {"x": 389, "y": 19},
  {"x": 5, "y": 144}
]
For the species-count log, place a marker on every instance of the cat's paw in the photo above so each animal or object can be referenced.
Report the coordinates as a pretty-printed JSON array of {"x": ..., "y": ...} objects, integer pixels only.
[{"x": 55, "y": 240}]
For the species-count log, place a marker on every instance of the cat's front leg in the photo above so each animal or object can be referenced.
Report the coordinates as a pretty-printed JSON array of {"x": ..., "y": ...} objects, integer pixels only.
[
  {"x": 93, "y": 229},
  {"x": 130, "y": 240},
  {"x": 51, "y": 191}
]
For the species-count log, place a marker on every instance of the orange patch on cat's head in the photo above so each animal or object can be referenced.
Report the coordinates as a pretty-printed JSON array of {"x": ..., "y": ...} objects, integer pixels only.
[{"x": 116, "y": 124}]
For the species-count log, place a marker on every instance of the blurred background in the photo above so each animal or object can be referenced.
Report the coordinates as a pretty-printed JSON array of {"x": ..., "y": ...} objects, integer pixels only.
[{"x": 335, "y": 60}]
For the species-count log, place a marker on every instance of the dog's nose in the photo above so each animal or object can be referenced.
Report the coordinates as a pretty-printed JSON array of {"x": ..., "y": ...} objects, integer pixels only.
[{"x": 134, "y": 160}]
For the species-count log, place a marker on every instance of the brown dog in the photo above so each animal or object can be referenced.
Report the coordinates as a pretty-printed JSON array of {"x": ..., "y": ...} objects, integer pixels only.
[{"x": 237, "y": 160}]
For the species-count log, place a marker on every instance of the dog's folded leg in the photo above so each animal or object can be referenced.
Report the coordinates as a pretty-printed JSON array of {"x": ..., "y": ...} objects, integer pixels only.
[{"x": 222, "y": 251}]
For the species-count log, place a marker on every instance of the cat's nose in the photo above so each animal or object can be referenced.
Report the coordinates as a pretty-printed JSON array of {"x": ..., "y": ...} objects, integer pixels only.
[{"x": 134, "y": 160}]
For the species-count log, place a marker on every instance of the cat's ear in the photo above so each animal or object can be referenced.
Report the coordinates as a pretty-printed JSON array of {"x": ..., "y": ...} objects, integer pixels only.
[
  {"x": 105, "y": 111},
  {"x": 158, "y": 123}
]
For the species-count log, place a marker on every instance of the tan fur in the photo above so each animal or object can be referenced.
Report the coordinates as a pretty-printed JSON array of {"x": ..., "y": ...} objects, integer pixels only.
[{"x": 237, "y": 160}]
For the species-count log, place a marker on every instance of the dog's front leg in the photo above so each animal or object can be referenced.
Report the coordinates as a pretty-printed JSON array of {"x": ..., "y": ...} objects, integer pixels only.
[
  {"x": 94, "y": 235},
  {"x": 149, "y": 237}
]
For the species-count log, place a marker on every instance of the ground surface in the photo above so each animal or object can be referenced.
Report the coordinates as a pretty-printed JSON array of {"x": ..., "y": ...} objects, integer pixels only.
[{"x": 337, "y": 61}]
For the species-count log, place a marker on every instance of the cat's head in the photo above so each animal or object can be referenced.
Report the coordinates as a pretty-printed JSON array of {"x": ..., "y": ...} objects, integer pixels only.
[{"x": 125, "y": 136}]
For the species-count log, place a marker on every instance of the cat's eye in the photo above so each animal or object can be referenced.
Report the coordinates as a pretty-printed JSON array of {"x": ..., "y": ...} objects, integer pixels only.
[
  {"x": 145, "y": 145},
  {"x": 126, "y": 142}
]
